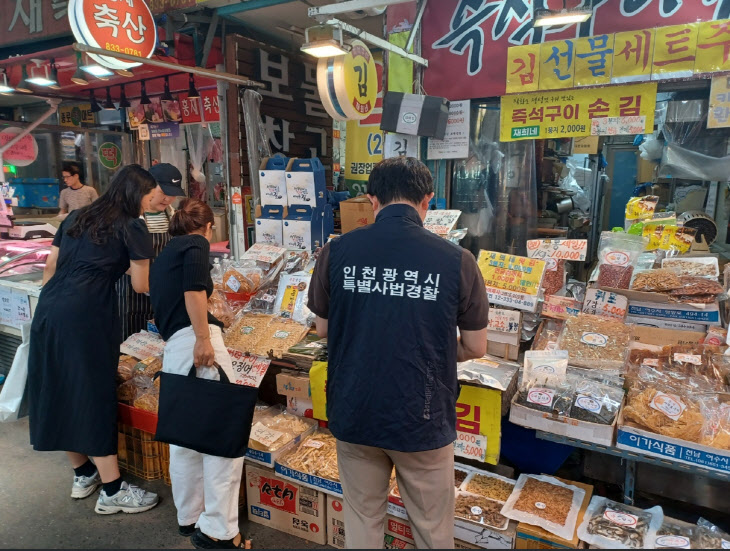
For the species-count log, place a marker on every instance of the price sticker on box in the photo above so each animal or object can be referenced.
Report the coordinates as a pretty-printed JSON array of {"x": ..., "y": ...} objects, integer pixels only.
[
  {"x": 143, "y": 345},
  {"x": 559, "y": 249},
  {"x": 504, "y": 321},
  {"x": 605, "y": 304},
  {"x": 264, "y": 435},
  {"x": 560, "y": 308},
  {"x": 248, "y": 370},
  {"x": 470, "y": 446}
]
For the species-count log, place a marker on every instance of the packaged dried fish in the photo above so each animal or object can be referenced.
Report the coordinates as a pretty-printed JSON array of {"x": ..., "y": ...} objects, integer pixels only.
[
  {"x": 489, "y": 485},
  {"x": 544, "y": 383},
  {"x": 278, "y": 430},
  {"x": 611, "y": 525},
  {"x": 480, "y": 510},
  {"x": 618, "y": 253},
  {"x": 656, "y": 281},
  {"x": 676, "y": 535},
  {"x": 596, "y": 402},
  {"x": 593, "y": 341},
  {"x": 546, "y": 502},
  {"x": 315, "y": 455},
  {"x": 710, "y": 536}
]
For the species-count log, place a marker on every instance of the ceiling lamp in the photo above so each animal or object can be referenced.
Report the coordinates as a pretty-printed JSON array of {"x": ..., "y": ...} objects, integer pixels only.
[
  {"x": 95, "y": 107},
  {"x": 97, "y": 70},
  {"x": 192, "y": 91},
  {"x": 79, "y": 77},
  {"x": 144, "y": 98},
  {"x": 42, "y": 80},
  {"x": 5, "y": 88},
  {"x": 123, "y": 101},
  {"x": 23, "y": 84},
  {"x": 324, "y": 41},
  {"x": 167, "y": 96},
  {"x": 54, "y": 76},
  {"x": 125, "y": 73},
  {"x": 109, "y": 104},
  {"x": 547, "y": 18}
]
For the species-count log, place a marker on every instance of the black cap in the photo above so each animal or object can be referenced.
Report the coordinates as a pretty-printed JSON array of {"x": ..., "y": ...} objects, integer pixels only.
[{"x": 168, "y": 178}]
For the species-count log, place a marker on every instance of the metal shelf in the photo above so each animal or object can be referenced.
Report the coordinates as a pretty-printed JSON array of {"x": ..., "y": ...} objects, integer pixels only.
[{"x": 630, "y": 459}]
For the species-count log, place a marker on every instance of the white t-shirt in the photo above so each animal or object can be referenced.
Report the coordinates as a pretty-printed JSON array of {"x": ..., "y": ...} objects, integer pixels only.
[{"x": 73, "y": 199}]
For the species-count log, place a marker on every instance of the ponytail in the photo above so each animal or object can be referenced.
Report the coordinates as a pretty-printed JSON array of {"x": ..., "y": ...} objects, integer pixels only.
[{"x": 192, "y": 215}]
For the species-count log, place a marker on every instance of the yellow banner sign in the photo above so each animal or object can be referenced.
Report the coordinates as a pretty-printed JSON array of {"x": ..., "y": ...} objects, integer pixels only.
[
  {"x": 677, "y": 51},
  {"x": 571, "y": 113},
  {"x": 75, "y": 115},
  {"x": 511, "y": 273},
  {"x": 719, "y": 113}
]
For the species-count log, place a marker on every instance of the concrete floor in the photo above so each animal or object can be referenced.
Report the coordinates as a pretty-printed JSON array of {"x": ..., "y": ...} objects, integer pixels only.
[{"x": 36, "y": 510}]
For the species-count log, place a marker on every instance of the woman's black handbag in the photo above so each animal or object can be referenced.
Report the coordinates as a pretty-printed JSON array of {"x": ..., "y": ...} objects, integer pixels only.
[{"x": 211, "y": 417}]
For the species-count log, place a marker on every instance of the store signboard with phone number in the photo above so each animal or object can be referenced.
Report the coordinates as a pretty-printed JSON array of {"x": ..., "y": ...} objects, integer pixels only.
[
  {"x": 570, "y": 113},
  {"x": 511, "y": 280}
]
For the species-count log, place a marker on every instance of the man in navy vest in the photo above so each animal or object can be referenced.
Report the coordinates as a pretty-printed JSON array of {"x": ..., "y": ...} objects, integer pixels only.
[{"x": 390, "y": 297}]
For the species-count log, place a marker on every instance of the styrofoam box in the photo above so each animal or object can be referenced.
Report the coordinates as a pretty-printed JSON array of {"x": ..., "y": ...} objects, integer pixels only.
[
  {"x": 309, "y": 480},
  {"x": 673, "y": 449},
  {"x": 667, "y": 324},
  {"x": 707, "y": 260},
  {"x": 561, "y": 425}
]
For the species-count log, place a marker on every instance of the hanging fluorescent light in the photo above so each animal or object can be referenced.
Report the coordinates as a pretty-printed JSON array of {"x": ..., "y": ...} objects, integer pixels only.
[
  {"x": 42, "y": 80},
  {"x": 97, "y": 70},
  {"x": 95, "y": 107},
  {"x": 109, "y": 104},
  {"x": 547, "y": 18},
  {"x": 144, "y": 98},
  {"x": 123, "y": 101},
  {"x": 23, "y": 84},
  {"x": 167, "y": 96},
  {"x": 324, "y": 41},
  {"x": 5, "y": 88},
  {"x": 78, "y": 76},
  {"x": 192, "y": 90}
]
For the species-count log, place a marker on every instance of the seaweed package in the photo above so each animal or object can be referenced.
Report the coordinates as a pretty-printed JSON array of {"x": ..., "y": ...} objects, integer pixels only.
[
  {"x": 546, "y": 502},
  {"x": 611, "y": 525},
  {"x": 617, "y": 256},
  {"x": 596, "y": 402},
  {"x": 545, "y": 386}
]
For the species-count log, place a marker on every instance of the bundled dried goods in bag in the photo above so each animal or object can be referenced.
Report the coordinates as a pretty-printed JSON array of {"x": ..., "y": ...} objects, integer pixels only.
[
  {"x": 593, "y": 341},
  {"x": 617, "y": 256},
  {"x": 611, "y": 525}
]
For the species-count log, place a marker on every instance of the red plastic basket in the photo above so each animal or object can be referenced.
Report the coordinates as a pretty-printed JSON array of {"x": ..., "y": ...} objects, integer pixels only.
[{"x": 137, "y": 418}]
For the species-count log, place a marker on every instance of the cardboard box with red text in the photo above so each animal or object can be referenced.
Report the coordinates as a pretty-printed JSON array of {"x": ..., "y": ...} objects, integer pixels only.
[
  {"x": 356, "y": 213},
  {"x": 285, "y": 506}
]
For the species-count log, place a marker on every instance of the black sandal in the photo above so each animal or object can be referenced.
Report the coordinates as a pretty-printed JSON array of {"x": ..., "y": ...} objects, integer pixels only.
[{"x": 201, "y": 541}]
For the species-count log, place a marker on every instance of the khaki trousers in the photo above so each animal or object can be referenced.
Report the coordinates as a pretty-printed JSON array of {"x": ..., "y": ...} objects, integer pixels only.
[{"x": 426, "y": 484}]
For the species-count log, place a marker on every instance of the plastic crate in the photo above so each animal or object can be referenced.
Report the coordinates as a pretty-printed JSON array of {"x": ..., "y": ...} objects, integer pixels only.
[
  {"x": 137, "y": 418},
  {"x": 139, "y": 454},
  {"x": 166, "y": 464}
]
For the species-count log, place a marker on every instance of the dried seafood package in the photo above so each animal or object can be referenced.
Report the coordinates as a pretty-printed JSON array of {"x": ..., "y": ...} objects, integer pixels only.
[
  {"x": 676, "y": 535},
  {"x": 544, "y": 382},
  {"x": 610, "y": 525},
  {"x": 247, "y": 330},
  {"x": 489, "y": 485},
  {"x": 664, "y": 409},
  {"x": 546, "y": 502},
  {"x": 710, "y": 536},
  {"x": 656, "y": 281},
  {"x": 280, "y": 335},
  {"x": 274, "y": 431},
  {"x": 617, "y": 255},
  {"x": 596, "y": 402},
  {"x": 315, "y": 455},
  {"x": 593, "y": 341},
  {"x": 480, "y": 510}
]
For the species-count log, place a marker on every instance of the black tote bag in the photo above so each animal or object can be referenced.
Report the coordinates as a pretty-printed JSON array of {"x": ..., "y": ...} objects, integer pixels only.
[{"x": 211, "y": 417}]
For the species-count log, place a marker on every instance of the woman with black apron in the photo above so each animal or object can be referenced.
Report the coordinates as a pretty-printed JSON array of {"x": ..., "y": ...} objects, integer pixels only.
[{"x": 135, "y": 309}]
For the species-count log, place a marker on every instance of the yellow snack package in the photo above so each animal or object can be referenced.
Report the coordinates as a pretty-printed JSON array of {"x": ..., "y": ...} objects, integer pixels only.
[
  {"x": 655, "y": 229},
  {"x": 639, "y": 209}
]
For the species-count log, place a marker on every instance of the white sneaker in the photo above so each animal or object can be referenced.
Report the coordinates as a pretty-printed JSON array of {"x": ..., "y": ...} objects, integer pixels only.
[
  {"x": 84, "y": 486},
  {"x": 129, "y": 499}
]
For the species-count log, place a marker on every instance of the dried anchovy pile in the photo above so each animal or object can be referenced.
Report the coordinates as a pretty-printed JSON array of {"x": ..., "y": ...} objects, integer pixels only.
[
  {"x": 491, "y": 487},
  {"x": 656, "y": 281},
  {"x": 557, "y": 500},
  {"x": 468, "y": 507},
  {"x": 583, "y": 354},
  {"x": 630, "y": 536},
  {"x": 616, "y": 277}
]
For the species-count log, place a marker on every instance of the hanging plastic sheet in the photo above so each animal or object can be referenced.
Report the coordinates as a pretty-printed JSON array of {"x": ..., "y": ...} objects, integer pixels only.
[
  {"x": 200, "y": 142},
  {"x": 257, "y": 143}
]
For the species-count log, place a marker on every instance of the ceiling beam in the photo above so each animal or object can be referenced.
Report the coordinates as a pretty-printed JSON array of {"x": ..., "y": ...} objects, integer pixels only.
[
  {"x": 351, "y": 5},
  {"x": 240, "y": 7}
]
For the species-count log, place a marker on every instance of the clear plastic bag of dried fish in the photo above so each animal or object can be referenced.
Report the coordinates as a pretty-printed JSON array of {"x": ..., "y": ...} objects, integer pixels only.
[
  {"x": 611, "y": 525},
  {"x": 675, "y": 534},
  {"x": 710, "y": 536}
]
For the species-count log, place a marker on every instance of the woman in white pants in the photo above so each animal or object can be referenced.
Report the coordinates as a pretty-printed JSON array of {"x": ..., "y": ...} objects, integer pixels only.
[{"x": 204, "y": 487}]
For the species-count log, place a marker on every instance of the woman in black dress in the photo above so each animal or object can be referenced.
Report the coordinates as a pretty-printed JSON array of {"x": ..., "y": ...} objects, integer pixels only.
[{"x": 76, "y": 335}]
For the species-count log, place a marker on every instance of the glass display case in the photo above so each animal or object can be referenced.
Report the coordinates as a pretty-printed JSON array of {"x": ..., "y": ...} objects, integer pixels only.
[{"x": 22, "y": 262}]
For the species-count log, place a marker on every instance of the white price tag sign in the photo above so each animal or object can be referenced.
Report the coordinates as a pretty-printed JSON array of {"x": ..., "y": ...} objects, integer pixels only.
[
  {"x": 400, "y": 145},
  {"x": 455, "y": 144},
  {"x": 248, "y": 370},
  {"x": 515, "y": 300},
  {"x": 504, "y": 321},
  {"x": 6, "y": 306},
  {"x": 441, "y": 222},
  {"x": 618, "y": 126},
  {"x": 264, "y": 435},
  {"x": 143, "y": 345},
  {"x": 605, "y": 304},
  {"x": 21, "y": 308},
  {"x": 559, "y": 249},
  {"x": 471, "y": 446}
]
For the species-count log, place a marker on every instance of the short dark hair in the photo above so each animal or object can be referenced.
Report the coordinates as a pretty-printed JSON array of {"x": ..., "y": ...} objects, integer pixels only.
[
  {"x": 400, "y": 179},
  {"x": 192, "y": 215},
  {"x": 72, "y": 168}
]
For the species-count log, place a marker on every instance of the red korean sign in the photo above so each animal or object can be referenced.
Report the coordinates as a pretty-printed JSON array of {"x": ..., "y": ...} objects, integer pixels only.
[
  {"x": 211, "y": 108},
  {"x": 124, "y": 26},
  {"x": 278, "y": 494},
  {"x": 190, "y": 109},
  {"x": 466, "y": 41}
]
